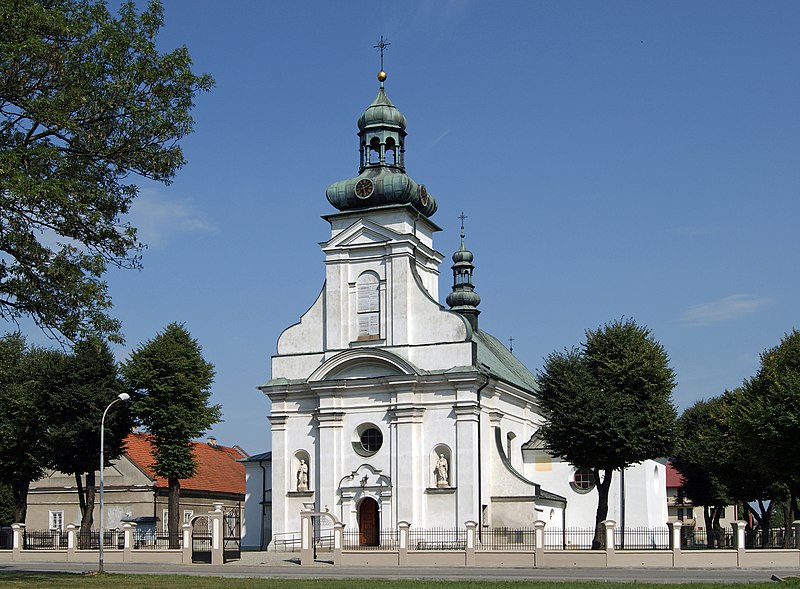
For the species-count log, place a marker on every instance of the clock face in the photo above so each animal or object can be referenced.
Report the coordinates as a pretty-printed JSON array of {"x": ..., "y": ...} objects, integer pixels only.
[
  {"x": 364, "y": 188},
  {"x": 423, "y": 195}
]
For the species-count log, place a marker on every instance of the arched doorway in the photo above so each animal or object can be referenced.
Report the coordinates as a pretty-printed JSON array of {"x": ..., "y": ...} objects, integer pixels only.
[{"x": 368, "y": 522}]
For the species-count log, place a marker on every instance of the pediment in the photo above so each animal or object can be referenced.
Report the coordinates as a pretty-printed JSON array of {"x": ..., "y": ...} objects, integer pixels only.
[
  {"x": 362, "y": 232},
  {"x": 363, "y": 363}
]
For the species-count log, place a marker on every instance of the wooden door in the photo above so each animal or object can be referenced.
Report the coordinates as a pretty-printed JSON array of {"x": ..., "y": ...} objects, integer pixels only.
[{"x": 368, "y": 522}]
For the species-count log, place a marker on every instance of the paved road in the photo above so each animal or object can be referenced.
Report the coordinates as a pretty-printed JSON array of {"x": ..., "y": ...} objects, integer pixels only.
[{"x": 322, "y": 571}]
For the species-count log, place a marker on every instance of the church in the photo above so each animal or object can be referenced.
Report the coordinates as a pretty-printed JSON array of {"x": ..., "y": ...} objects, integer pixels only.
[{"x": 388, "y": 406}]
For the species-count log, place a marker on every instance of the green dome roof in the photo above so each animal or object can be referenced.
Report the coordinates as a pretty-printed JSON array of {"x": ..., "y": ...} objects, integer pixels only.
[{"x": 381, "y": 112}]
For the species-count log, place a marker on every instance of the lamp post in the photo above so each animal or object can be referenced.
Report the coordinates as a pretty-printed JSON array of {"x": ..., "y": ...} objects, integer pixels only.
[{"x": 120, "y": 397}]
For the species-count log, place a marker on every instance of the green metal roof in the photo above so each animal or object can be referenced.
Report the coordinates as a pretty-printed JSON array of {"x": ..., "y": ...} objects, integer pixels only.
[{"x": 495, "y": 358}]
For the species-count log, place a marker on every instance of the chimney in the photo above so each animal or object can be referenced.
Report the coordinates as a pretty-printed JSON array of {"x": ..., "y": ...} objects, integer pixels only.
[{"x": 212, "y": 441}]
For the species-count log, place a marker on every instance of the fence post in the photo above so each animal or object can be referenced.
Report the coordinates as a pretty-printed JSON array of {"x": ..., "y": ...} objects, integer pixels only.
[
  {"x": 19, "y": 540},
  {"x": 306, "y": 538},
  {"x": 675, "y": 541},
  {"x": 186, "y": 546},
  {"x": 338, "y": 540},
  {"x": 538, "y": 542},
  {"x": 738, "y": 541},
  {"x": 470, "y": 547},
  {"x": 215, "y": 519},
  {"x": 71, "y": 541},
  {"x": 127, "y": 541},
  {"x": 609, "y": 525},
  {"x": 402, "y": 548}
]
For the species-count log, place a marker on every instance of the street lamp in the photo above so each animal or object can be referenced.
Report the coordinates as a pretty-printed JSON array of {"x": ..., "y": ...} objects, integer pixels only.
[{"x": 120, "y": 397}]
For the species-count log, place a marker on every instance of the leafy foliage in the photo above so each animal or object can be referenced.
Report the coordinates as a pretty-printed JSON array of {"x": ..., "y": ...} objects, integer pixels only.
[
  {"x": 23, "y": 457},
  {"x": 608, "y": 405},
  {"x": 86, "y": 100},
  {"x": 81, "y": 387},
  {"x": 171, "y": 388},
  {"x": 769, "y": 413}
]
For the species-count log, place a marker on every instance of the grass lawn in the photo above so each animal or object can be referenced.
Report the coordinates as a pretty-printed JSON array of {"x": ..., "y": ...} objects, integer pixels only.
[{"x": 114, "y": 581}]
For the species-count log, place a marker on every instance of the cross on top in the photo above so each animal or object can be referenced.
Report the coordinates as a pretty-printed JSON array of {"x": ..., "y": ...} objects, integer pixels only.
[{"x": 381, "y": 46}]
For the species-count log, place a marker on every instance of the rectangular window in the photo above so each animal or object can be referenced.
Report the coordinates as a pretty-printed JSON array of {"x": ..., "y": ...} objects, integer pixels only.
[
  {"x": 368, "y": 307},
  {"x": 165, "y": 521},
  {"x": 680, "y": 514},
  {"x": 56, "y": 520},
  {"x": 188, "y": 514}
]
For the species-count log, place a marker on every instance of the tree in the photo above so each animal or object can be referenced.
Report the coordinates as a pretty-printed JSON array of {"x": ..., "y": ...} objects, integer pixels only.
[
  {"x": 23, "y": 429},
  {"x": 6, "y": 505},
  {"x": 80, "y": 389},
  {"x": 769, "y": 414},
  {"x": 703, "y": 457},
  {"x": 608, "y": 405},
  {"x": 171, "y": 388},
  {"x": 86, "y": 101}
]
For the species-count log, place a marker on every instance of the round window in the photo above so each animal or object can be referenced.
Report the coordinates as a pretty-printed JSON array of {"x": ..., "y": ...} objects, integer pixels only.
[
  {"x": 371, "y": 440},
  {"x": 583, "y": 479}
]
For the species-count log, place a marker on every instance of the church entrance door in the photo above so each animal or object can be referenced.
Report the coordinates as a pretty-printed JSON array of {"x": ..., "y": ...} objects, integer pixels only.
[{"x": 368, "y": 522}]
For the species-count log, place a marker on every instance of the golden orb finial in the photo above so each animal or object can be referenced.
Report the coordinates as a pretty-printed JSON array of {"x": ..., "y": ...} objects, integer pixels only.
[{"x": 381, "y": 76}]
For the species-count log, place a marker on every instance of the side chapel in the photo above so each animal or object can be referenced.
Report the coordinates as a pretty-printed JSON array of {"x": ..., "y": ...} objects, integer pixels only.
[{"x": 389, "y": 407}]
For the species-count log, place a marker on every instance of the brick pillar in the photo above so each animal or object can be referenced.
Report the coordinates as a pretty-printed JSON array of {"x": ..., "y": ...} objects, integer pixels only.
[
  {"x": 470, "y": 556},
  {"x": 609, "y": 525},
  {"x": 306, "y": 538},
  {"x": 402, "y": 548},
  {"x": 127, "y": 542},
  {"x": 675, "y": 541},
  {"x": 72, "y": 541},
  {"x": 538, "y": 537},
  {"x": 338, "y": 540},
  {"x": 215, "y": 520},
  {"x": 186, "y": 545},
  {"x": 738, "y": 541},
  {"x": 19, "y": 540}
]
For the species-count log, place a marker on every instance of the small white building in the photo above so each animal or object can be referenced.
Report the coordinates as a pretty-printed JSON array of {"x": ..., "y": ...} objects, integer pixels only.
[{"x": 389, "y": 407}]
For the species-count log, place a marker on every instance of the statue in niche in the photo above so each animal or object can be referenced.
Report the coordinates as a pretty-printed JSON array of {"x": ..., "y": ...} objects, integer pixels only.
[
  {"x": 302, "y": 476},
  {"x": 441, "y": 472}
]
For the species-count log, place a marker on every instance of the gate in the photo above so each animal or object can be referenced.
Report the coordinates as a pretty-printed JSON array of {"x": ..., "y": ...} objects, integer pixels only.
[
  {"x": 201, "y": 539},
  {"x": 232, "y": 535}
]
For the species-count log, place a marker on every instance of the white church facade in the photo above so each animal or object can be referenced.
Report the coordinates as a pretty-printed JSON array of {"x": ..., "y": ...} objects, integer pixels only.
[{"x": 388, "y": 406}]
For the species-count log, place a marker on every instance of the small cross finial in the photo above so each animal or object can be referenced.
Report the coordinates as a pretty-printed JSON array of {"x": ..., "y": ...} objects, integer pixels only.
[
  {"x": 382, "y": 44},
  {"x": 462, "y": 216},
  {"x": 511, "y": 345}
]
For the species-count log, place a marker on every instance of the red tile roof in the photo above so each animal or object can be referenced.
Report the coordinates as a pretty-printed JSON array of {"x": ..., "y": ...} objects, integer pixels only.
[
  {"x": 674, "y": 478},
  {"x": 218, "y": 469}
]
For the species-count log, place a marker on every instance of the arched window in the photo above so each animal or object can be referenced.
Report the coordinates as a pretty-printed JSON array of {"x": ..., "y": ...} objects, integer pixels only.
[
  {"x": 368, "y": 308},
  {"x": 390, "y": 151}
]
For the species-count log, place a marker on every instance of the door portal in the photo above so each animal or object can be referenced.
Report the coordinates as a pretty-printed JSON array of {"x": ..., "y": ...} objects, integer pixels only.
[{"x": 368, "y": 522}]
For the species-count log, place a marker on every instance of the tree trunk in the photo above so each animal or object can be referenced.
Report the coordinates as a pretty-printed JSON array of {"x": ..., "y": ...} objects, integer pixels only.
[
  {"x": 602, "y": 507},
  {"x": 19, "y": 490},
  {"x": 87, "y": 513},
  {"x": 174, "y": 512},
  {"x": 719, "y": 533},
  {"x": 708, "y": 519}
]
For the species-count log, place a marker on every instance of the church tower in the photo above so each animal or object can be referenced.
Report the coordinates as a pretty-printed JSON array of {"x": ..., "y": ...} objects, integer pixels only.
[{"x": 386, "y": 404}]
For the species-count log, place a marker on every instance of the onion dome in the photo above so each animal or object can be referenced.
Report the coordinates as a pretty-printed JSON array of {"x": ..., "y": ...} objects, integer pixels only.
[
  {"x": 382, "y": 178},
  {"x": 463, "y": 299},
  {"x": 381, "y": 112}
]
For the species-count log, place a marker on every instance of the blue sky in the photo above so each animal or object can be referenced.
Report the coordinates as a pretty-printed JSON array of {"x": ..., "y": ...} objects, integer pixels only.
[{"x": 634, "y": 159}]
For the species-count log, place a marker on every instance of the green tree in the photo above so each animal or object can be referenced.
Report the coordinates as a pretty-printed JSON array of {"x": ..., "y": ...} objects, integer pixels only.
[
  {"x": 769, "y": 414},
  {"x": 6, "y": 505},
  {"x": 86, "y": 101},
  {"x": 702, "y": 455},
  {"x": 171, "y": 388},
  {"x": 80, "y": 388},
  {"x": 608, "y": 405},
  {"x": 23, "y": 429}
]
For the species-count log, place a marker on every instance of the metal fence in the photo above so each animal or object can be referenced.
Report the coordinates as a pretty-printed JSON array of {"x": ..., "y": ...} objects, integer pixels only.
[
  {"x": 90, "y": 540},
  {"x": 157, "y": 541},
  {"x": 706, "y": 539},
  {"x": 506, "y": 539},
  {"x": 642, "y": 539},
  {"x": 44, "y": 540},
  {"x": 568, "y": 538},
  {"x": 437, "y": 539},
  {"x": 6, "y": 538},
  {"x": 773, "y": 538},
  {"x": 383, "y": 540}
]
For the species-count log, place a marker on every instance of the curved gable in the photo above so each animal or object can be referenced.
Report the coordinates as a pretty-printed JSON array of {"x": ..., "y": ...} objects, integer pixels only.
[{"x": 363, "y": 363}]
